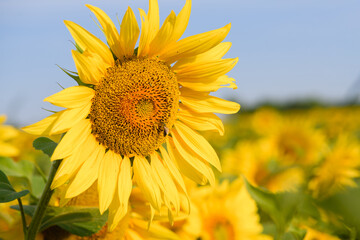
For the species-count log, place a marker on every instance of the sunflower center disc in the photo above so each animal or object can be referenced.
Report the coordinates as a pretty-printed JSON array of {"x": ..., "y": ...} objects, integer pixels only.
[{"x": 133, "y": 104}]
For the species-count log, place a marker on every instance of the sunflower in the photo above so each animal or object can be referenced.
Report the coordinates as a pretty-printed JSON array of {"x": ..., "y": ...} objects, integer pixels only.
[
  {"x": 338, "y": 170},
  {"x": 255, "y": 160},
  {"x": 136, "y": 113},
  {"x": 223, "y": 212}
]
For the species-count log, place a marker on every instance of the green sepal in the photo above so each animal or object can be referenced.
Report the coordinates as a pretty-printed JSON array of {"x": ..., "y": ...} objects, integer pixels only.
[
  {"x": 75, "y": 76},
  {"x": 7, "y": 192},
  {"x": 78, "y": 48},
  {"x": 136, "y": 51}
]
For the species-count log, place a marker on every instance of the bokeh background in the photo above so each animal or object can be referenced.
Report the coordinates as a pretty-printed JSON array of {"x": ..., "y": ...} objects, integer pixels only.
[{"x": 288, "y": 50}]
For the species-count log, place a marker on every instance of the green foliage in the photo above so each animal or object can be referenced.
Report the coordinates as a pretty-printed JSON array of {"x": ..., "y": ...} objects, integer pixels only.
[
  {"x": 345, "y": 206},
  {"x": 45, "y": 144},
  {"x": 285, "y": 209},
  {"x": 78, "y": 221},
  {"x": 7, "y": 192},
  {"x": 23, "y": 169}
]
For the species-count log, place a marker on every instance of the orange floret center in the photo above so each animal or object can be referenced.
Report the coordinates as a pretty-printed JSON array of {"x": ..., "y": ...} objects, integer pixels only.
[{"x": 134, "y": 104}]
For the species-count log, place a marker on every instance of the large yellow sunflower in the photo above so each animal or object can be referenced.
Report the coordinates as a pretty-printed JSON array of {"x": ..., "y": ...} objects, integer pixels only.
[{"x": 137, "y": 112}]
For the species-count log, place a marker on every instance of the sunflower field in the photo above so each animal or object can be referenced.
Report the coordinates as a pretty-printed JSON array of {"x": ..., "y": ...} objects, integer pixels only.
[
  {"x": 141, "y": 148},
  {"x": 287, "y": 173}
]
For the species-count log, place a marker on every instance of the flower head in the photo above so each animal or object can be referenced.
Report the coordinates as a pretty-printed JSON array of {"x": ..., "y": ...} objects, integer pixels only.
[
  {"x": 137, "y": 113},
  {"x": 225, "y": 211}
]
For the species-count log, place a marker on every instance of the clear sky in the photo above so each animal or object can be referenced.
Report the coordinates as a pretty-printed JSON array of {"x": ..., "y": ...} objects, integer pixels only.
[{"x": 287, "y": 49}]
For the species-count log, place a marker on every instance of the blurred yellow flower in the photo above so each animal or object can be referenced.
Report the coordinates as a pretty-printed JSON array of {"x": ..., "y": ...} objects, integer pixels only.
[
  {"x": 298, "y": 142},
  {"x": 224, "y": 212},
  {"x": 266, "y": 120},
  {"x": 313, "y": 234},
  {"x": 338, "y": 169},
  {"x": 255, "y": 160},
  {"x": 130, "y": 104},
  {"x": 7, "y": 135}
]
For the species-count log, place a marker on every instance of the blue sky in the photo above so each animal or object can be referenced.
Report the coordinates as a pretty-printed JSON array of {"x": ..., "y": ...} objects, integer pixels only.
[{"x": 287, "y": 49}]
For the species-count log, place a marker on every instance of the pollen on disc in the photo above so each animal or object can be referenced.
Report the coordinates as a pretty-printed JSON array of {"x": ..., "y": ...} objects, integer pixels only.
[{"x": 133, "y": 103}]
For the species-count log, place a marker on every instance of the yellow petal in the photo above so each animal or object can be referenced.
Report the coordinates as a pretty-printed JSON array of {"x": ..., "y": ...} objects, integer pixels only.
[
  {"x": 144, "y": 37},
  {"x": 198, "y": 144},
  {"x": 87, "y": 174},
  {"x": 44, "y": 126},
  {"x": 125, "y": 181},
  {"x": 89, "y": 42},
  {"x": 190, "y": 166},
  {"x": 155, "y": 231},
  {"x": 108, "y": 177},
  {"x": 82, "y": 150},
  {"x": 210, "y": 86},
  {"x": 163, "y": 37},
  {"x": 170, "y": 163},
  {"x": 201, "y": 122},
  {"x": 204, "y": 104},
  {"x": 194, "y": 45},
  {"x": 109, "y": 29},
  {"x": 72, "y": 97},
  {"x": 69, "y": 118},
  {"x": 182, "y": 21},
  {"x": 119, "y": 207},
  {"x": 143, "y": 176},
  {"x": 165, "y": 182},
  {"x": 154, "y": 19},
  {"x": 214, "y": 53},
  {"x": 117, "y": 214},
  {"x": 74, "y": 137},
  {"x": 204, "y": 70},
  {"x": 90, "y": 66},
  {"x": 129, "y": 33}
]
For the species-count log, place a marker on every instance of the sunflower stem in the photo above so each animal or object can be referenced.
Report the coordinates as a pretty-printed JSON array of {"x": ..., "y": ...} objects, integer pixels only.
[
  {"x": 42, "y": 204},
  {"x": 22, "y": 216}
]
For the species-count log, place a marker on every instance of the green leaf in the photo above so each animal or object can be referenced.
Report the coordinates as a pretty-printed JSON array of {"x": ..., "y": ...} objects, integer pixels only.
[
  {"x": 346, "y": 205},
  {"x": 7, "y": 192},
  {"x": 294, "y": 233},
  {"x": 78, "y": 221},
  {"x": 45, "y": 144},
  {"x": 281, "y": 207},
  {"x": 37, "y": 185},
  {"x": 22, "y": 168},
  {"x": 28, "y": 209}
]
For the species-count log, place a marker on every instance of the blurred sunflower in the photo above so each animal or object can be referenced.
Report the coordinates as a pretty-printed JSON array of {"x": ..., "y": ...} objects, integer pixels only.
[
  {"x": 298, "y": 142},
  {"x": 338, "y": 170},
  {"x": 255, "y": 160},
  {"x": 7, "y": 134},
  {"x": 226, "y": 211},
  {"x": 312, "y": 234},
  {"x": 131, "y": 103}
]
